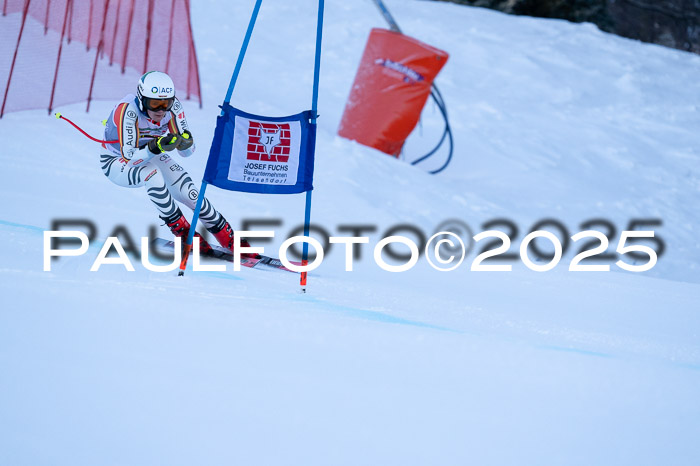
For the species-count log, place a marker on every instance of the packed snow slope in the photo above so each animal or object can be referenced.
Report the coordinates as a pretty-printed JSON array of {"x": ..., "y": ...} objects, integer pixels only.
[{"x": 552, "y": 120}]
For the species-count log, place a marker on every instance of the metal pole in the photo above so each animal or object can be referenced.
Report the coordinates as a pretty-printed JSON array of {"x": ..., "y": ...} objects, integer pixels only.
[{"x": 393, "y": 25}]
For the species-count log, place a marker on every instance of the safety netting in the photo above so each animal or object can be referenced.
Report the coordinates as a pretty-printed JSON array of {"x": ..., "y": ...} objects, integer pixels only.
[{"x": 56, "y": 52}]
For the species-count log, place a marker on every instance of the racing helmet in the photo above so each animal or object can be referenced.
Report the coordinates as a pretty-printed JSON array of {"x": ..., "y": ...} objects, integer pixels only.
[{"x": 155, "y": 91}]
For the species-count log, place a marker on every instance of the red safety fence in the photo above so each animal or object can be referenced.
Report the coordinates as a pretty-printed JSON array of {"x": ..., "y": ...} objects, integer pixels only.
[
  {"x": 390, "y": 89},
  {"x": 55, "y": 52}
]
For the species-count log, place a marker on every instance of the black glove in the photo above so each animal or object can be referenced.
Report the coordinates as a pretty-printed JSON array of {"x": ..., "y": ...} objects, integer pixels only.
[
  {"x": 186, "y": 140},
  {"x": 164, "y": 143}
]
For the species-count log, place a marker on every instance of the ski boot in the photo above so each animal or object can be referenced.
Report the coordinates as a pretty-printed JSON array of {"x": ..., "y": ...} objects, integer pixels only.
[
  {"x": 180, "y": 227},
  {"x": 224, "y": 235}
]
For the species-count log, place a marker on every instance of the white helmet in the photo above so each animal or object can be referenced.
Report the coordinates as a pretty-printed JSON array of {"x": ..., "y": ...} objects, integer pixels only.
[{"x": 156, "y": 90}]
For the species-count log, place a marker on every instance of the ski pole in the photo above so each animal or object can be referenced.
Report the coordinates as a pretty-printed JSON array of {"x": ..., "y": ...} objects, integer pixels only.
[{"x": 61, "y": 117}]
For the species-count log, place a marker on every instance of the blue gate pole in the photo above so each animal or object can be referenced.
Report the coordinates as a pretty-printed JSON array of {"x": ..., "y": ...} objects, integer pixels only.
[
  {"x": 317, "y": 61},
  {"x": 242, "y": 53},
  {"x": 232, "y": 84},
  {"x": 314, "y": 107},
  {"x": 193, "y": 227}
]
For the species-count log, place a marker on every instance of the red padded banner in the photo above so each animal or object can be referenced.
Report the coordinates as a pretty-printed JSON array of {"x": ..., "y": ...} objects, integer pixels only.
[{"x": 390, "y": 89}]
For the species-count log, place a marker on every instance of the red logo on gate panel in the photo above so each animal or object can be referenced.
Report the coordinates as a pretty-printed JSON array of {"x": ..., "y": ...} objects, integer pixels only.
[{"x": 269, "y": 142}]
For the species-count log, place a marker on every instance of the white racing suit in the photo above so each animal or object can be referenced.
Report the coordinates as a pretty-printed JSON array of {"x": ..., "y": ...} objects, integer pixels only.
[{"x": 131, "y": 164}]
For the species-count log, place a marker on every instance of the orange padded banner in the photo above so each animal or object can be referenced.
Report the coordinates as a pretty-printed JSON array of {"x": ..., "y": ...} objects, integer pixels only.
[{"x": 390, "y": 90}]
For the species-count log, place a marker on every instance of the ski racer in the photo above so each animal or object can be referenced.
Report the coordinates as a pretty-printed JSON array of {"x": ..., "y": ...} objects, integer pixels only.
[{"x": 150, "y": 126}]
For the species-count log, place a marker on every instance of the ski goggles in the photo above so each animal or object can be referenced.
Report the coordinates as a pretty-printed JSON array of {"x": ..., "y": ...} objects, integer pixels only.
[{"x": 158, "y": 104}]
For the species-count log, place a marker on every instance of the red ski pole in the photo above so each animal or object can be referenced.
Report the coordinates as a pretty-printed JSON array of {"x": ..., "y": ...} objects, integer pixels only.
[{"x": 61, "y": 117}]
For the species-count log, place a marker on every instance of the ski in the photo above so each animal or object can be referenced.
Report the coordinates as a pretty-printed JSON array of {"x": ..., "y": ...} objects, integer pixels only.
[{"x": 223, "y": 254}]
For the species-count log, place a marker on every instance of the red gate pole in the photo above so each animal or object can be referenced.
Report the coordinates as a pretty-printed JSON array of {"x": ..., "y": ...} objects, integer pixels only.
[
  {"x": 46, "y": 17},
  {"x": 89, "y": 36},
  {"x": 60, "y": 51},
  {"x": 149, "y": 25},
  {"x": 92, "y": 78},
  {"x": 128, "y": 36},
  {"x": 70, "y": 23},
  {"x": 193, "y": 55},
  {"x": 170, "y": 36},
  {"x": 114, "y": 33},
  {"x": 100, "y": 47}
]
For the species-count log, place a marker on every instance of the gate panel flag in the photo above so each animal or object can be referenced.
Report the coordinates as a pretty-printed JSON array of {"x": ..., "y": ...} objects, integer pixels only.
[{"x": 258, "y": 154}]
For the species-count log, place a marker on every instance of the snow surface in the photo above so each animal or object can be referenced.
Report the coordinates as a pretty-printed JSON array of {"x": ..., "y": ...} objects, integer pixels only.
[{"x": 551, "y": 120}]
